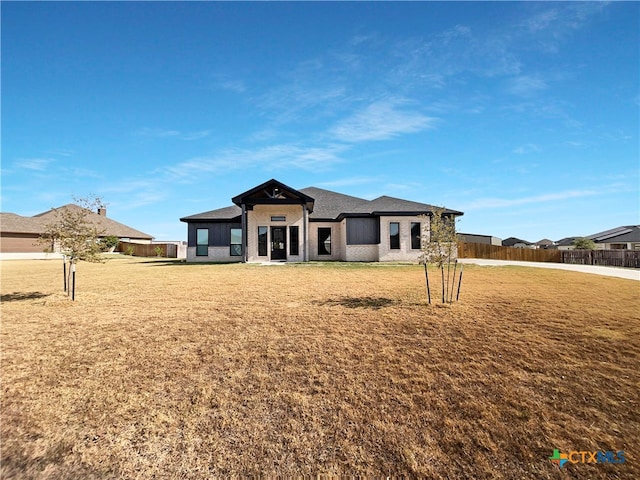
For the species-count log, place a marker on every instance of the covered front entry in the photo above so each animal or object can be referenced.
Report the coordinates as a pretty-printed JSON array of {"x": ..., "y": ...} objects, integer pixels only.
[{"x": 278, "y": 243}]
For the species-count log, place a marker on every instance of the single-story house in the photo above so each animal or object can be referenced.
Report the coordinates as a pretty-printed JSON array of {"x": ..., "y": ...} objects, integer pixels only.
[
  {"x": 620, "y": 238},
  {"x": 545, "y": 243},
  {"x": 20, "y": 234},
  {"x": 274, "y": 222},
  {"x": 477, "y": 238},
  {"x": 516, "y": 242},
  {"x": 566, "y": 243}
]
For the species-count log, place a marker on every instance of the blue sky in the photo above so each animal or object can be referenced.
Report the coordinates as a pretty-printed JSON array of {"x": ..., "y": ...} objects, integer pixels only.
[{"x": 523, "y": 115}]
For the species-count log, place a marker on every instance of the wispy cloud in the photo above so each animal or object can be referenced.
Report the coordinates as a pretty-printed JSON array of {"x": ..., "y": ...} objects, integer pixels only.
[
  {"x": 301, "y": 101},
  {"x": 274, "y": 157},
  {"x": 381, "y": 120},
  {"x": 527, "y": 148},
  {"x": 226, "y": 83},
  {"x": 552, "y": 22},
  {"x": 61, "y": 152},
  {"x": 177, "y": 134},
  {"x": 36, "y": 164},
  {"x": 483, "y": 203},
  {"x": 526, "y": 85}
]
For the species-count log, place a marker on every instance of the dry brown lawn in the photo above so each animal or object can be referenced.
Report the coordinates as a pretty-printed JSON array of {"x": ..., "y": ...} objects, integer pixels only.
[{"x": 167, "y": 370}]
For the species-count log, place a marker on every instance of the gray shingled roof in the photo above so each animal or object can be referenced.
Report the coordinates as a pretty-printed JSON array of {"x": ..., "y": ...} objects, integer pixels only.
[
  {"x": 511, "y": 241},
  {"x": 623, "y": 234},
  {"x": 332, "y": 205},
  {"x": 225, "y": 213},
  {"x": 566, "y": 241},
  {"x": 12, "y": 223},
  {"x": 392, "y": 204},
  {"x": 329, "y": 205}
]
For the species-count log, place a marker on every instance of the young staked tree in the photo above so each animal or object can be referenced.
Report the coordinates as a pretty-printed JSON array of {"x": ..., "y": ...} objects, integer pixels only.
[
  {"x": 75, "y": 236},
  {"x": 439, "y": 247}
]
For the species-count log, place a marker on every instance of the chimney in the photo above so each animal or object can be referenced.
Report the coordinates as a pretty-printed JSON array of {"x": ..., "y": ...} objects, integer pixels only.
[{"x": 102, "y": 211}]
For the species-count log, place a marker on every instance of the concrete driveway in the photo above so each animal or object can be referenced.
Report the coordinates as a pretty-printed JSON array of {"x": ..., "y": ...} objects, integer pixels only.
[{"x": 628, "y": 273}]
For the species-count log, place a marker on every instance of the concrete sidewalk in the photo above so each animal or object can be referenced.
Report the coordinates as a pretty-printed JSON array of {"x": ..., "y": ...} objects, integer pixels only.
[{"x": 627, "y": 273}]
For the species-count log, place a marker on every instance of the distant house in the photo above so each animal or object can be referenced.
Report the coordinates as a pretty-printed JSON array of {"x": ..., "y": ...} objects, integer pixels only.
[
  {"x": 566, "y": 243},
  {"x": 476, "y": 238},
  {"x": 516, "y": 242},
  {"x": 274, "y": 222},
  {"x": 19, "y": 234},
  {"x": 545, "y": 243},
  {"x": 620, "y": 238}
]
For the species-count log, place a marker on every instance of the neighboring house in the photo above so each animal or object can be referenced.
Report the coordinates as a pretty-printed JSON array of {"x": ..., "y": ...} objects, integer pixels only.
[
  {"x": 274, "y": 222},
  {"x": 545, "y": 243},
  {"x": 620, "y": 238},
  {"x": 517, "y": 243},
  {"x": 20, "y": 234},
  {"x": 475, "y": 238},
  {"x": 566, "y": 243}
]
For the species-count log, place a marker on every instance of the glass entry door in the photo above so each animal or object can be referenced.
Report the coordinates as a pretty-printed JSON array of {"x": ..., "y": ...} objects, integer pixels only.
[{"x": 278, "y": 243}]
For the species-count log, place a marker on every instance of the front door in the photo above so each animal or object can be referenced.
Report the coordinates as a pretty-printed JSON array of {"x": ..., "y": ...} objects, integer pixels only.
[{"x": 278, "y": 243}]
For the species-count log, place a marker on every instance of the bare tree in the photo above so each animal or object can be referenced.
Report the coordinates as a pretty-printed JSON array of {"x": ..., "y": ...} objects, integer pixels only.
[
  {"x": 74, "y": 235},
  {"x": 439, "y": 247}
]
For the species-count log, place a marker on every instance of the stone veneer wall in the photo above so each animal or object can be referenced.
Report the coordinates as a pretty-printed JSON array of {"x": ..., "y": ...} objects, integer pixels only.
[
  {"x": 362, "y": 253},
  {"x": 405, "y": 253},
  {"x": 337, "y": 241},
  {"x": 260, "y": 216},
  {"x": 215, "y": 254}
]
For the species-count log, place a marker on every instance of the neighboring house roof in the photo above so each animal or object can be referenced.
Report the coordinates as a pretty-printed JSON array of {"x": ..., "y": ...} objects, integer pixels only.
[
  {"x": 511, "y": 241},
  {"x": 12, "y": 223},
  {"x": 566, "y": 242},
  {"x": 545, "y": 242},
  {"x": 623, "y": 234},
  {"x": 326, "y": 205}
]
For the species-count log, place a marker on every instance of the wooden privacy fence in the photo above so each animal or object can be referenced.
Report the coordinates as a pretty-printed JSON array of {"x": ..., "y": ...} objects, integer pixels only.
[
  {"x": 167, "y": 250},
  {"x": 495, "y": 252},
  {"x": 610, "y": 258}
]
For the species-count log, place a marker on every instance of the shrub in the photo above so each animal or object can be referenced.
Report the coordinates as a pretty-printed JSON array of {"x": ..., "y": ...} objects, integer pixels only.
[{"x": 109, "y": 242}]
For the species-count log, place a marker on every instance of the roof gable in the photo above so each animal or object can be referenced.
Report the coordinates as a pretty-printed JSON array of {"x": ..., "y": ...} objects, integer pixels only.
[{"x": 273, "y": 192}]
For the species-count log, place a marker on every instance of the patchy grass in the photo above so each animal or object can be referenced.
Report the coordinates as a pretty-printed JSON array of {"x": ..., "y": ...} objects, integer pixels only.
[{"x": 167, "y": 370}]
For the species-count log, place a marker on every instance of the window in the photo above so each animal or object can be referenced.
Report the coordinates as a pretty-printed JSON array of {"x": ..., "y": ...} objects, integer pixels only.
[
  {"x": 415, "y": 235},
  {"x": 394, "y": 236},
  {"x": 293, "y": 240},
  {"x": 262, "y": 241},
  {"x": 202, "y": 242},
  {"x": 324, "y": 241},
  {"x": 278, "y": 218},
  {"x": 236, "y": 242}
]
